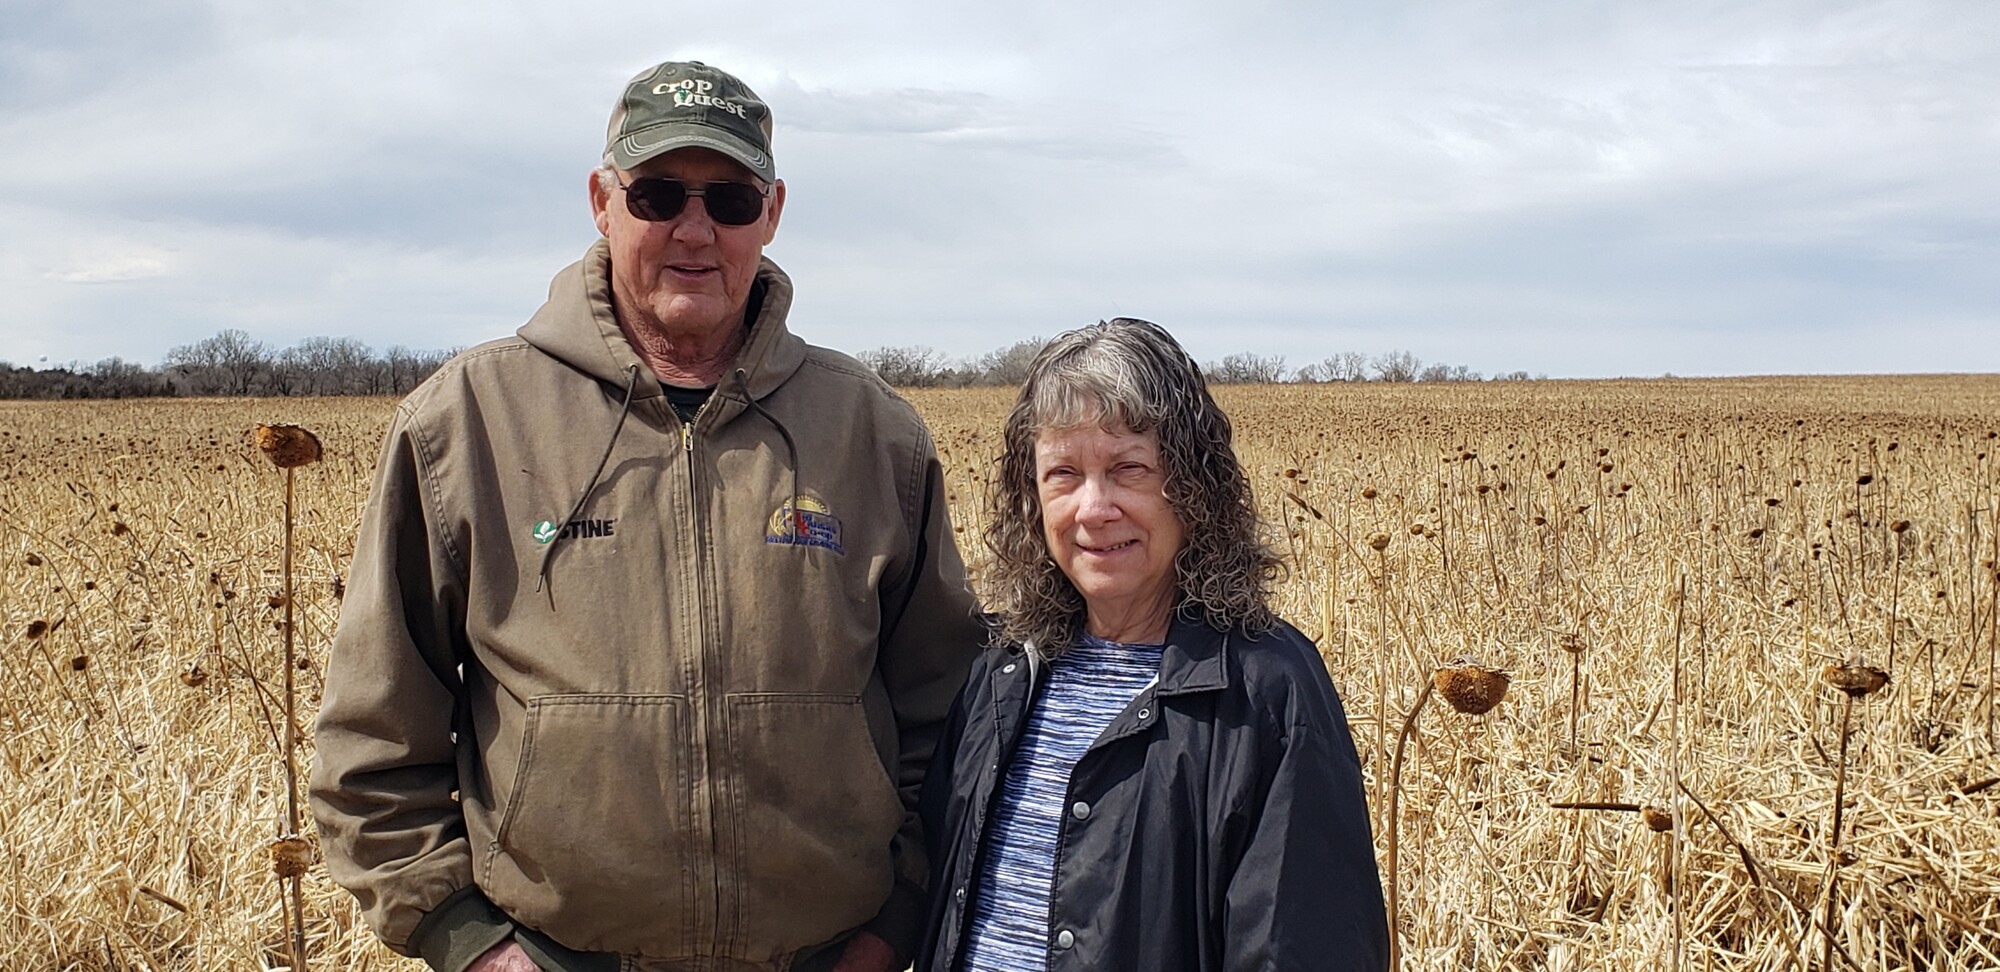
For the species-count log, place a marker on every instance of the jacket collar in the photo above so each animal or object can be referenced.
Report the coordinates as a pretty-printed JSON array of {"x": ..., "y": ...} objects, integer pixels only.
[
  {"x": 1195, "y": 659},
  {"x": 577, "y": 326}
]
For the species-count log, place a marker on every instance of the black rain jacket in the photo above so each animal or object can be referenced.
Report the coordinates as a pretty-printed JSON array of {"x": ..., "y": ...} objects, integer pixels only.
[{"x": 1219, "y": 823}]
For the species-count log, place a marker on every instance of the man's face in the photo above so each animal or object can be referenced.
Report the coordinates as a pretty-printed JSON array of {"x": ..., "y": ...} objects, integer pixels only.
[{"x": 689, "y": 275}]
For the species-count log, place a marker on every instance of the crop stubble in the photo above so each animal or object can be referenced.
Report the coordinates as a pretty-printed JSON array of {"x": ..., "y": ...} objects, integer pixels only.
[{"x": 1666, "y": 568}]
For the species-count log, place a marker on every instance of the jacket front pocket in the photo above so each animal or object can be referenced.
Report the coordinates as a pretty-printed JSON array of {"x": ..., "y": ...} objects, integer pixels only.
[
  {"x": 599, "y": 826},
  {"x": 813, "y": 814}
]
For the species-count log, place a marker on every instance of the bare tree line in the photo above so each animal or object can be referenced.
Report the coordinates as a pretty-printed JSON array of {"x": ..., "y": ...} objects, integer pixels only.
[
  {"x": 233, "y": 363},
  {"x": 922, "y": 367}
]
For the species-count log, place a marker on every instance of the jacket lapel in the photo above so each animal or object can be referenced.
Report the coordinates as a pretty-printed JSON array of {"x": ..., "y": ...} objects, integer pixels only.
[{"x": 1195, "y": 659}]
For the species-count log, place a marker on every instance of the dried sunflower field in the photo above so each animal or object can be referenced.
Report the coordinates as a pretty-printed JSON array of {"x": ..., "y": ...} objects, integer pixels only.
[{"x": 1686, "y": 583}]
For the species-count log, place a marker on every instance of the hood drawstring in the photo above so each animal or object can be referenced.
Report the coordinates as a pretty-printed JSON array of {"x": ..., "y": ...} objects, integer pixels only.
[
  {"x": 743, "y": 380},
  {"x": 624, "y": 409}
]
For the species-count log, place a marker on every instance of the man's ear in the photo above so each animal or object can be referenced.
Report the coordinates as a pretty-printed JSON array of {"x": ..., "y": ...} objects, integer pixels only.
[
  {"x": 777, "y": 209},
  {"x": 600, "y": 202}
]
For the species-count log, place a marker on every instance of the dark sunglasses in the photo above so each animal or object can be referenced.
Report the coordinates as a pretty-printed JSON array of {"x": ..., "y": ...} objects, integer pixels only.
[{"x": 728, "y": 203}]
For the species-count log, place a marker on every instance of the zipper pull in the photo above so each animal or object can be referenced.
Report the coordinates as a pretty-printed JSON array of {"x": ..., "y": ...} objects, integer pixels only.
[{"x": 687, "y": 428}]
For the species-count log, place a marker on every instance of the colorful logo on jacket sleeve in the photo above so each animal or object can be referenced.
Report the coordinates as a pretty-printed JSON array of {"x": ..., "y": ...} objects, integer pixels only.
[{"x": 808, "y": 524}]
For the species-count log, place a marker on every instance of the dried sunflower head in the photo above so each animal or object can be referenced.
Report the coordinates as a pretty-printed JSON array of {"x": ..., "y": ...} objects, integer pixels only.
[
  {"x": 288, "y": 446},
  {"x": 1658, "y": 819},
  {"x": 1470, "y": 687},
  {"x": 291, "y": 855},
  {"x": 1856, "y": 678}
]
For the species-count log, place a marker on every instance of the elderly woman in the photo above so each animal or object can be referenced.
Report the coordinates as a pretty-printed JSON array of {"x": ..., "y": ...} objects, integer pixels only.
[{"x": 1152, "y": 772}]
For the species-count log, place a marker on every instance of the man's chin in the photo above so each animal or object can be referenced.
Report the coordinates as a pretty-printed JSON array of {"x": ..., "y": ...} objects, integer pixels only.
[{"x": 696, "y": 315}]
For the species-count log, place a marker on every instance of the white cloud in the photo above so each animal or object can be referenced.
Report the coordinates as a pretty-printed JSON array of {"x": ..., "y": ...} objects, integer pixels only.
[
  {"x": 112, "y": 268},
  {"x": 1567, "y": 188}
]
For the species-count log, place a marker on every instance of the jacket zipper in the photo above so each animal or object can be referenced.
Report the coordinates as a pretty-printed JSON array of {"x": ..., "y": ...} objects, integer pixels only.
[{"x": 709, "y": 733}]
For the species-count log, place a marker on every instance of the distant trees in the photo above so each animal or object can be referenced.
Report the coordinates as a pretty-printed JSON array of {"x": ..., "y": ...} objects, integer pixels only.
[
  {"x": 1343, "y": 366},
  {"x": 119, "y": 378},
  {"x": 1396, "y": 366},
  {"x": 328, "y": 366},
  {"x": 1246, "y": 369},
  {"x": 227, "y": 364},
  {"x": 231, "y": 362},
  {"x": 1445, "y": 372},
  {"x": 1009, "y": 365},
  {"x": 922, "y": 367},
  {"x": 911, "y": 367}
]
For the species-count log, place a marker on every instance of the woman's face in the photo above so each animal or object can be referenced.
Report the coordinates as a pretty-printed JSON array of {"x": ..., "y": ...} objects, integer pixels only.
[{"x": 1107, "y": 521}]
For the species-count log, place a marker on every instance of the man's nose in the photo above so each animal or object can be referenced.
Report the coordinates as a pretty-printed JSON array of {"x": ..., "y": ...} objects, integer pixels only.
[{"x": 693, "y": 225}]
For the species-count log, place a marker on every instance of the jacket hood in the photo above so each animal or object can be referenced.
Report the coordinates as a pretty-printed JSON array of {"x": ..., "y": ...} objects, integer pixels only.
[{"x": 578, "y": 327}]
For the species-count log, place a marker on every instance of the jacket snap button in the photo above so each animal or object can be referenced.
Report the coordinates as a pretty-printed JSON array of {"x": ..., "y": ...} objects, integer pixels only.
[
  {"x": 960, "y": 895},
  {"x": 1144, "y": 713},
  {"x": 1065, "y": 938},
  {"x": 1008, "y": 670},
  {"x": 1081, "y": 811}
]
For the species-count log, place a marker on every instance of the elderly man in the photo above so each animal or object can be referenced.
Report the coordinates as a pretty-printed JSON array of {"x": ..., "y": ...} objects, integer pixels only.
[{"x": 655, "y": 610}]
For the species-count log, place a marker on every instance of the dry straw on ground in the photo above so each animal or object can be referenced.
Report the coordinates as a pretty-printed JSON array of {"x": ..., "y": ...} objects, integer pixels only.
[{"x": 1665, "y": 568}]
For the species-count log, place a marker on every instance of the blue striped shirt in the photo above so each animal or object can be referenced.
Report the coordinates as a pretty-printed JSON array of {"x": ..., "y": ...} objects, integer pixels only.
[{"x": 1087, "y": 687}]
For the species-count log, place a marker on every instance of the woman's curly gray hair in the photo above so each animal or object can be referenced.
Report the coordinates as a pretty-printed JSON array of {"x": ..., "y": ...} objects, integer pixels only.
[{"x": 1132, "y": 374}]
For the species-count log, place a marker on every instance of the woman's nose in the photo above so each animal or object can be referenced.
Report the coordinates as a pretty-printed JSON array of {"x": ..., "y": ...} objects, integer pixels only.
[{"x": 1097, "y": 501}]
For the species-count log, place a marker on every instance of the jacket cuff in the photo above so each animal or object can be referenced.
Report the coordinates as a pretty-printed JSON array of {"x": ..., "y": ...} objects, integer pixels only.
[
  {"x": 901, "y": 920},
  {"x": 459, "y": 930}
]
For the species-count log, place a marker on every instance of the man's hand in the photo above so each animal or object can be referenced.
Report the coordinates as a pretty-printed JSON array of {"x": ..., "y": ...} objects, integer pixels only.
[
  {"x": 507, "y": 957},
  {"x": 867, "y": 952}
]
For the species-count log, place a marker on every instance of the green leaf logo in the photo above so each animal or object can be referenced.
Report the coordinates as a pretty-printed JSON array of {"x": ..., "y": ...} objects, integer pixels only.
[{"x": 545, "y": 531}]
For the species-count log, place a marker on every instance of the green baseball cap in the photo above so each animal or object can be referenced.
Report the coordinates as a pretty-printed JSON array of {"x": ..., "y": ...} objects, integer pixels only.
[{"x": 687, "y": 104}]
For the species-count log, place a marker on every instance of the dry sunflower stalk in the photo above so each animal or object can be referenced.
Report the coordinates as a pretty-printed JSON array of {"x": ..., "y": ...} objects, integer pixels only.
[
  {"x": 289, "y": 447},
  {"x": 1472, "y": 689},
  {"x": 1857, "y": 679}
]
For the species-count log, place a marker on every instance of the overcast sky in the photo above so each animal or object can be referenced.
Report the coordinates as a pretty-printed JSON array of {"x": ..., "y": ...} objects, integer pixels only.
[{"x": 1571, "y": 188}]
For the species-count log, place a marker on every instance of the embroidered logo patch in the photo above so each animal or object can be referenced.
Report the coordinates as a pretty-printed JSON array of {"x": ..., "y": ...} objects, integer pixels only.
[
  {"x": 811, "y": 524},
  {"x": 547, "y": 531}
]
